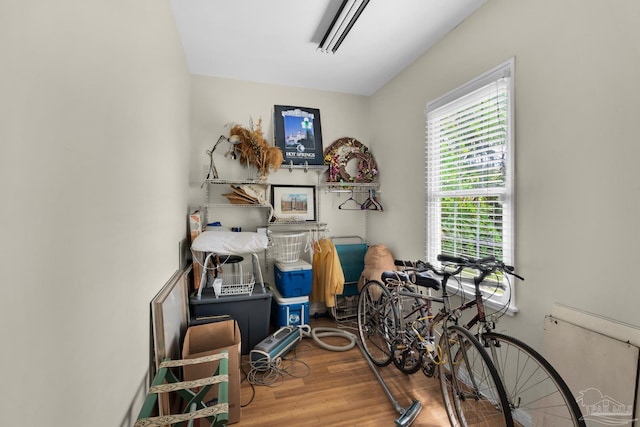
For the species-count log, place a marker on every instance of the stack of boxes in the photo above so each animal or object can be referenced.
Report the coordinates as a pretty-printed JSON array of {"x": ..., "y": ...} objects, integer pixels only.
[{"x": 290, "y": 302}]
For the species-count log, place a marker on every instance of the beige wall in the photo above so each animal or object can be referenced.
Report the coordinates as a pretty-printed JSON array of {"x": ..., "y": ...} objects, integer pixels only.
[
  {"x": 97, "y": 167},
  {"x": 94, "y": 137},
  {"x": 216, "y": 102},
  {"x": 576, "y": 83}
]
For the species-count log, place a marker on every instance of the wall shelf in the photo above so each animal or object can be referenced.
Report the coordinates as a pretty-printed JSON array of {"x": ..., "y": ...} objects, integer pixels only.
[
  {"x": 216, "y": 202},
  {"x": 306, "y": 224},
  {"x": 234, "y": 181},
  {"x": 231, "y": 205},
  {"x": 349, "y": 186},
  {"x": 318, "y": 168}
]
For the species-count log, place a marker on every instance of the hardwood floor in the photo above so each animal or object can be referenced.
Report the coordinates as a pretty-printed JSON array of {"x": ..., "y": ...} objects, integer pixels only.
[{"x": 336, "y": 388}]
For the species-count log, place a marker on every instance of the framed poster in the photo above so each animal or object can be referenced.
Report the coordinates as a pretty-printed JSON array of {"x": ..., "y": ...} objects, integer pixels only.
[
  {"x": 298, "y": 134},
  {"x": 294, "y": 202},
  {"x": 170, "y": 320}
]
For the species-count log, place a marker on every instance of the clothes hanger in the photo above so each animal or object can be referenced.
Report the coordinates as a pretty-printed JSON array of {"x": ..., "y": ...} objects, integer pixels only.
[
  {"x": 372, "y": 202},
  {"x": 310, "y": 242},
  {"x": 350, "y": 199}
]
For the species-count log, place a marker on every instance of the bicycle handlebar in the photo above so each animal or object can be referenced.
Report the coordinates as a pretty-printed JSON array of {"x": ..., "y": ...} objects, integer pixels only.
[
  {"x": 413, "y": 265},
  {"x": 486, "y": 265},
  {"x": 453, "y": 259},
  {"x": 425, "y": 266}
]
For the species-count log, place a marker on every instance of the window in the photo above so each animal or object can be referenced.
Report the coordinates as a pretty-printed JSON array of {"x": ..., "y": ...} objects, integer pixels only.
[{"x": 469, "y": 175}]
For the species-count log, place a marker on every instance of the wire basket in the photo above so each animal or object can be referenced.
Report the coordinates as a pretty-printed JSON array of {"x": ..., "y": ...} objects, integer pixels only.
[
  {"x": 236, "y": 284},
  {"x": 286, "y": 246}
]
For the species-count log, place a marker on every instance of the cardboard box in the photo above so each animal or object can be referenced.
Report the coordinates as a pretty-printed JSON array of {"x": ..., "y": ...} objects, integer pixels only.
[
  {"x": 195, "y": 228},
  {"x": 211, "y": 338},
  {"x": 252, "y": 312}
]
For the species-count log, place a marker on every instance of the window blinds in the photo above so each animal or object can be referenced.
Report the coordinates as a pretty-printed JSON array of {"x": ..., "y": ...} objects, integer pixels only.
[{"x": 469, "y": 169}]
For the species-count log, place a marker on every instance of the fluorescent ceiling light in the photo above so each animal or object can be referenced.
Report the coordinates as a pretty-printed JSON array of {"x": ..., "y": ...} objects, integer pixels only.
[{"x": 347, "y": 15}]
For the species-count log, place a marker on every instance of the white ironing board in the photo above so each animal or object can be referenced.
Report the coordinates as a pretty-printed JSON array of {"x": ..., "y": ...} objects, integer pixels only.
[{"x": 222, "y": 242}]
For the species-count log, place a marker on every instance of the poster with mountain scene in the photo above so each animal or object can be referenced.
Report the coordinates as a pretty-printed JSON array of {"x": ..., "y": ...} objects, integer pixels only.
[{"x": 298, "y": 134}]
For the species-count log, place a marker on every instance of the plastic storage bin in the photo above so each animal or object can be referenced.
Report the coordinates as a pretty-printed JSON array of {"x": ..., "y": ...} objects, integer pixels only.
[
  {"x": 252, "y": 312},
  {"x": 293, "y": 279},
  {"x": 289, "y": 311}
]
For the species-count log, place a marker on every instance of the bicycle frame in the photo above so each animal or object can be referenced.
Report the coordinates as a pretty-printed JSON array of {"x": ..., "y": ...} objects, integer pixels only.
[
  {"x": 446, "y": 312},
  {"x": 535, "y": 389}
]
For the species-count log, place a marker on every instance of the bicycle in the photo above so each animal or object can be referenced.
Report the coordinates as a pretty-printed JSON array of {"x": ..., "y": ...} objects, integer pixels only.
[
  {"x": 537, "y": 394},
  {"x": 470, "y": 383}
]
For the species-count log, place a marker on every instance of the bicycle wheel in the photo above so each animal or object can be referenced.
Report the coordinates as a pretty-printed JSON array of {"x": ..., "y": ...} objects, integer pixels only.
[
  {"x": 408, "y": 353},
  {"x": 538, "y": 396},
  {"x": 471, "y": 389},
  {"x": 377, "y": 322}
]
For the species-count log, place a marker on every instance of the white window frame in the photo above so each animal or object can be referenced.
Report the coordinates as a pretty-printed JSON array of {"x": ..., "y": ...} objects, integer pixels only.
[{"x": 501, "y": 75}]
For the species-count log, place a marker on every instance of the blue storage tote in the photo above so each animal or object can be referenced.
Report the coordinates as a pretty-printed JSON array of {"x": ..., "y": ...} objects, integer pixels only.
[
  {"x": 293, "y": 279},
  {"x": 289, "y": 311}
]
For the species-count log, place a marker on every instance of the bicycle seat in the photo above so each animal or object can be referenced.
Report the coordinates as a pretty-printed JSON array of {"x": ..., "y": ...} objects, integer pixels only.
[{"x": 420, "y": 278}]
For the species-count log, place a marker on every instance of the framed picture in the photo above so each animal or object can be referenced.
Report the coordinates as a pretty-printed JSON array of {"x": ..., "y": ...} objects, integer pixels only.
[
  {"x": 170, "y": 319},
  {"x": 294, "y": 202},
  {"x": 298, "y": 134}
]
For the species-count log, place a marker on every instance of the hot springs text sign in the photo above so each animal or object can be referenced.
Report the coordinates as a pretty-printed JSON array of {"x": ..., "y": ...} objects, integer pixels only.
[{"x": 298, "y": 133}]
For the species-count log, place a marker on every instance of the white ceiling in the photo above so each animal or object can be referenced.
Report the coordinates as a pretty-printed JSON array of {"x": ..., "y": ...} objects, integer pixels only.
[{"x": 276, "y": 41}]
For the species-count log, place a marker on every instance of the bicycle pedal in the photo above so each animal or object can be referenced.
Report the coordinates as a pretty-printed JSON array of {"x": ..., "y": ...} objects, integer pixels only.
[{"x": 429, "y": 370}]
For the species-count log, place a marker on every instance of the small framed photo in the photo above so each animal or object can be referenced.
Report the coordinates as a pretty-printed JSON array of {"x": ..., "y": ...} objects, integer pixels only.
[
  {"x": 298, "y": 134},
  {"x": 294, "y": 202}
]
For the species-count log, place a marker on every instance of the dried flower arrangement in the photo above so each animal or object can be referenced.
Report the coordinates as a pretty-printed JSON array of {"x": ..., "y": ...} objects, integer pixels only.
[{"x": 254, "y": 149}]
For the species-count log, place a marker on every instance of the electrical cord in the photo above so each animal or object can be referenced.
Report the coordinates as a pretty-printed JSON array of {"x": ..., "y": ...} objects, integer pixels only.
[
  {"x": 267, "y": 373},
  {"x": 253, "y": 389},
  {"x": 218, "y": 263}
]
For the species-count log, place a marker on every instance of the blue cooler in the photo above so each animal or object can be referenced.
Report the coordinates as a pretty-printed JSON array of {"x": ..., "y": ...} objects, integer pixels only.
[
  {"x": 289, "y": 311},
  {"x": 293, "y": 279}
]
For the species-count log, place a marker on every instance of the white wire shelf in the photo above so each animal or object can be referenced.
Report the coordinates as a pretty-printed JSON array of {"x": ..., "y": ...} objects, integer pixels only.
[
  {"x": 231, "y": 205},
  {"x": 234, "y": 181},
  {"x": 305, "y": 223},
  {"x": 342, "y": 186}
]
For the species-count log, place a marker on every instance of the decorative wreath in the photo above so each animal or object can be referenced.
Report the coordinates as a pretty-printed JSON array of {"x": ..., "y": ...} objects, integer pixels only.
[{"x": 338, "y": 155}]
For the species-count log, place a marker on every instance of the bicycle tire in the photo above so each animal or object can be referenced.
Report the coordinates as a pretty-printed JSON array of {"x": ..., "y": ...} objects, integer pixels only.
[
  {"x": 377, "y": 317},
  {"x": 537, "y": 393},
  {"x": 469, "y": 382},
  {"x": 408, "y": 356}
]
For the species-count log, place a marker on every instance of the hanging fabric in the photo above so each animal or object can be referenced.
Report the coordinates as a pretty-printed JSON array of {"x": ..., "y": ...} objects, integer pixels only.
[{"x": 327, "y": 274}]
